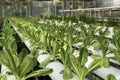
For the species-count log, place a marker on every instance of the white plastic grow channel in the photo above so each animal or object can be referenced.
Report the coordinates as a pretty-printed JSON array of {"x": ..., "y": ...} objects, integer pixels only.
[
  {"x": 4, "y": 70},
  {"x": 103, "y": 72},
  {"x": 99, "y": 52},
  {"x": 57, "y": 68}
]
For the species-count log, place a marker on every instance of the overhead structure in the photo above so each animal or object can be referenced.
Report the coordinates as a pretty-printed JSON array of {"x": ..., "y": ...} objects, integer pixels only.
[
  {"x": 27, "y": 8},
  {"x": 15, "y": 7}
]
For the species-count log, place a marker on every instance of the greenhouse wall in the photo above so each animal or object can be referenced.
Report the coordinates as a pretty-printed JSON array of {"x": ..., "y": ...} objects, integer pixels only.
[
  {"x": 41, "y": 8},
  {"x": 104, "y": 3},
  {"x": 107, "y": 3},
  {"x": 116, "y": 2}
]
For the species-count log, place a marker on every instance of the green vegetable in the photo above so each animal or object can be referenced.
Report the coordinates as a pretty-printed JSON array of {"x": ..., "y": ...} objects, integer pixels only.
[
  {"x": 19, "y": 64},
  {"x": 96, "y": 46},
  {"x": 110, "y": 77}
]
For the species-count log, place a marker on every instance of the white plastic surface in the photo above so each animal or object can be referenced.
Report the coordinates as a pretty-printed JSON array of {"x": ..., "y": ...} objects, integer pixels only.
[
  {"x": 103, "y": 72},
  {"x": 42, "y": 57},
  {"x": 3, "y": 72},
  {"x": 116, "y": 62},
  {"x": 111, "y": 32},
  {"x": 27, "y": 43},
  {"x": 4, "y": 69},
  {"x": 11, "y": 77},
  {"x": 57, "y": 68}
]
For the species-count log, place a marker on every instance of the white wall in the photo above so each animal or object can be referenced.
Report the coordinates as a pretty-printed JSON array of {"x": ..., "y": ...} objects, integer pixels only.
[{"x": 116, "y": 2}]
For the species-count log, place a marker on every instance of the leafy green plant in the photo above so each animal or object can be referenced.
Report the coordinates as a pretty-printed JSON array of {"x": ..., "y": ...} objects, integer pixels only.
[
  {"x": 104, "y": 47},
  {"x": 111, "y": 21},
  {"x": 3, "y": 77},
  {"x": 96, "y": 45},
  {"x": 78, "y": 64},
  {"x": 65, "y": 52},
  {"x": 53, "y": 49},
  {"x": 116, "y": 42},
  {"x": 87, "y": 36},
  {"x": 58, "y": 39},
  {"x": 21, "y": 64},
  {"x": 110, "y": 77}
]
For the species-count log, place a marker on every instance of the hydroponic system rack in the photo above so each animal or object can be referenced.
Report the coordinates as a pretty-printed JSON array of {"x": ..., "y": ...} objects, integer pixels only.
[{"x": 64, "y": 50}]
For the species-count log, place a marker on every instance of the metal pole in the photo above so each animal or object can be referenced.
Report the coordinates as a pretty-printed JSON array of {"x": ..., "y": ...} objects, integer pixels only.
[
  {"x": 55, "y": 7},
  {"x": 31, "y": 5},
  {"x": 83, "y": 6},
  {"x": 14, "y": 7},
  {"x": 48, "y": 10},
  {"x": 65, "y": 6},
  {"x": 74, "y": 4},
  {"x": 90, "y": 13},
  {"x": 29, "y": 9},
  {"x": 63, "y": 9},
  {"x": 3, "y": 8},
  {"x": 26, "y": 11}
]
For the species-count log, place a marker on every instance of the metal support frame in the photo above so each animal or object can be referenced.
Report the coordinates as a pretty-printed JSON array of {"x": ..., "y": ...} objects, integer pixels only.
[{"x": 99, "y": 10}]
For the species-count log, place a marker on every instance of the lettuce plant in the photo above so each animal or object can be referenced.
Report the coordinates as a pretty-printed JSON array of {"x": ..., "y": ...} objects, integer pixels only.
[
  {"x": 78, "y": 64},
  {"x": 53, "y": 45},
  {"x": 21, "y": 64},
  {"x": 110, "y": 77},
  {"x": 87, "y": 36},
  {"x": 116, "y": 42},
  {"x": 65, "y": 52},
  {"x": 58, "y": 40},
  {"x": 104, "y": 47}
]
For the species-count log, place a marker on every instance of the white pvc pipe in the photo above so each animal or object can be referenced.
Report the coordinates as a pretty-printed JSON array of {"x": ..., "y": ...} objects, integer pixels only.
[{"x": 56, "y": 66}]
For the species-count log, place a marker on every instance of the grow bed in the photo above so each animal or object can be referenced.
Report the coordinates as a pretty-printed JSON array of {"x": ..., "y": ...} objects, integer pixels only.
[
  {"x": 55, "y": 65},
  {"x": 102, "y": 69}
]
